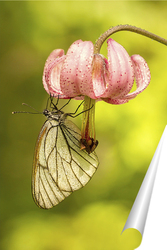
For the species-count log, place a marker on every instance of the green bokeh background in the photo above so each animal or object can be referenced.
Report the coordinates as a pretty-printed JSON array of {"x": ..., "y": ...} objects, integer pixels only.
[{"x": 93, "y": 217}]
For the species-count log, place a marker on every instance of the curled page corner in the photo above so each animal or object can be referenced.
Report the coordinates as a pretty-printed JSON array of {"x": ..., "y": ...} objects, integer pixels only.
[{"x": 152, "y": 197}]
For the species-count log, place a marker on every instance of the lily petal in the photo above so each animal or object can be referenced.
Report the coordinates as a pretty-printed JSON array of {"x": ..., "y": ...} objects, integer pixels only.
[
  {"x": 120, "y": 71},
  {"x": 76, "y": 73},
  {"x": 51, "y": 74},
  {"x": 142, "y": 75},
  {"x": 115, "y": 101},
  {"x": 99, "y": 70}
]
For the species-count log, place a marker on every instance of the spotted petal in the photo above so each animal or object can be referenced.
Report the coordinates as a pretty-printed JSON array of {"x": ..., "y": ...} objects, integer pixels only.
[
  {"x": 51, "y": 74},
  {"x": 76, "y": 73}
]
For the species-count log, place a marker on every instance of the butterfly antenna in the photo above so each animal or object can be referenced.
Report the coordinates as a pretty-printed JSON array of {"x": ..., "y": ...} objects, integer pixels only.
[{"x": 27, "y": 112}]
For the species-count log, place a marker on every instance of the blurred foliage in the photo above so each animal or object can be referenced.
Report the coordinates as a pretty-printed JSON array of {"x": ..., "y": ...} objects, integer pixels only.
[{"x": 128, "y": 134}]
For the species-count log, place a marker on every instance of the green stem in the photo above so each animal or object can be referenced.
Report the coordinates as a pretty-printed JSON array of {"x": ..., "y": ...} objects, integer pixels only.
[{"x": 127, "y": 27}]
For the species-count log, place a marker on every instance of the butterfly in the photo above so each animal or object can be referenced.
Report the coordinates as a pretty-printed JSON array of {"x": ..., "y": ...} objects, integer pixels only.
[{"x": 60, "y": 167}]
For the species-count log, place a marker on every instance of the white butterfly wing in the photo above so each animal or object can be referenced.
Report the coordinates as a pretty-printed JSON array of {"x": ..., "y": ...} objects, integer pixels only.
[{"x": 60, "y": 167}]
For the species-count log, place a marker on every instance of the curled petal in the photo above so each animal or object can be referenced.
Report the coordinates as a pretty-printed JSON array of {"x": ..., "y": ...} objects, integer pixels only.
[
  {"x": 98, "y": 74},
  {"x": 115, "y": 101},
  {"x": 51, "y": 74},
  {"x": 75, "y": 76},
  {"x": 119, "y": 80},
  {"x": 142, "y": 75}
]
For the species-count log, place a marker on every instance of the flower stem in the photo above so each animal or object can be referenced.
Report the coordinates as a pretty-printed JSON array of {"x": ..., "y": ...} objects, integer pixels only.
[{"x": 127, "y": 27}]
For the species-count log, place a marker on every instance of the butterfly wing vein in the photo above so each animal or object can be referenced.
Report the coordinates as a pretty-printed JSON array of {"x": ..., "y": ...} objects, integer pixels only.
[{"x": 60, "y": 167}]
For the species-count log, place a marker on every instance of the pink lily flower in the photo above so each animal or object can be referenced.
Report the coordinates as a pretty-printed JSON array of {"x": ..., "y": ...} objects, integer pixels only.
[{"x": 82, "y": 73}]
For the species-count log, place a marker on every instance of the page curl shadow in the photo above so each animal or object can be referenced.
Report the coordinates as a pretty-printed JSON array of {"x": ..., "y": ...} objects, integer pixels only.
[{"x": 150, "y": 203}]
